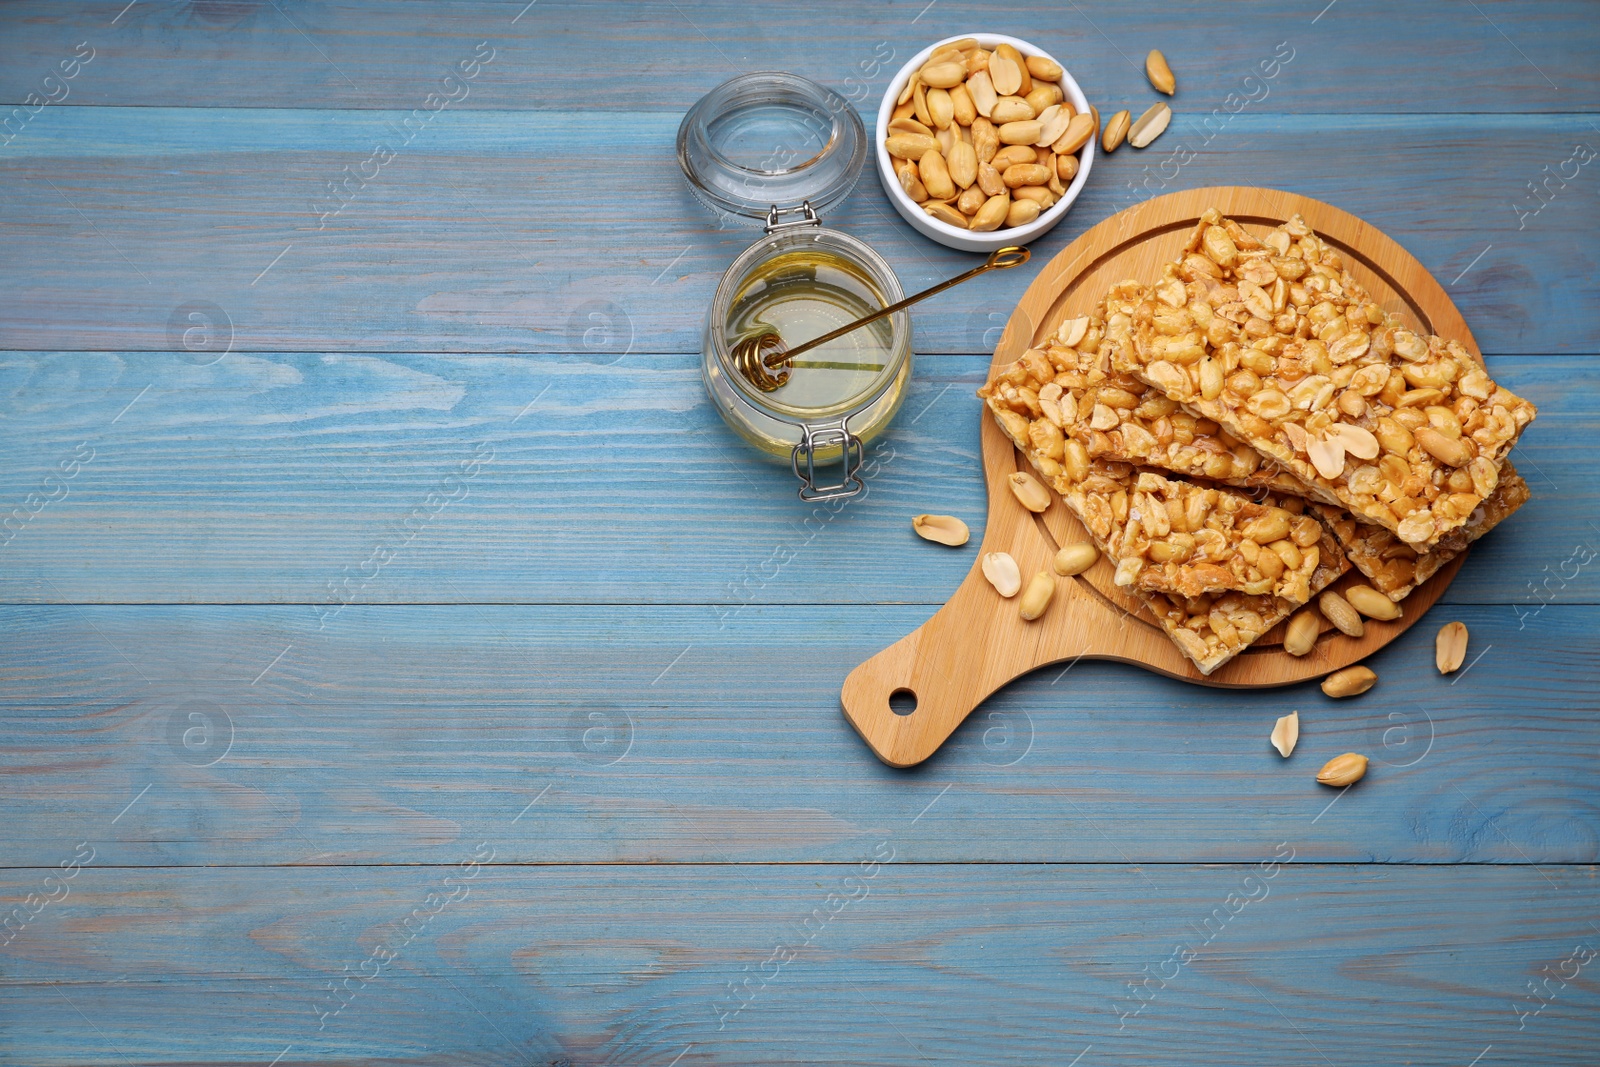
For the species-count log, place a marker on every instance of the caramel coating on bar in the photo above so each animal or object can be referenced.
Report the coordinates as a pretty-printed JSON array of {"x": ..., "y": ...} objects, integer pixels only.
[
  {"x": 1034, "y": 401},
  {"x": 1394, "y": 567},
  {"x": 1276, "y": 342},
  {"x": 1189, "y": 540}
]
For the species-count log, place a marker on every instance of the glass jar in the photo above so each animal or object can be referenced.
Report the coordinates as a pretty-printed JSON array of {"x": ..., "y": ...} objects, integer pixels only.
[{"x": 773, "y": 149}]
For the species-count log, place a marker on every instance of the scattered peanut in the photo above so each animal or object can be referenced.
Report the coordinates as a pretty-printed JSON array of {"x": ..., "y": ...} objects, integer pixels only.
[
  {"x": 1450, "y": 647},
  {"x": 1150, "y": 125},
  {"x": 945, "y": 529},
  {"x": 1350, "y": 682},
  {"x": 1341, "y": 614},
  {"x": 1371, "y": 603},
  {"x": 1302, "y": 632},
  {"x": 1159, "y": 73},
  {"x": 1002, "y": 572},
  {"x": 956, "y": 112},
  {"x": 1028, "y": 491},
  {"x": 1116, "y": 131},
  {"x": 1344, "y": 770},
  {"x": 1075, "y": 558},
  {"x": 1037, "y": 597},
  {"x": 1285, "y": 733}
]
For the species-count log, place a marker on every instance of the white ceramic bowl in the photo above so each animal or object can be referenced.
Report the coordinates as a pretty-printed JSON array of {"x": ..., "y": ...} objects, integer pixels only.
[{"x": 943, "y": 232}]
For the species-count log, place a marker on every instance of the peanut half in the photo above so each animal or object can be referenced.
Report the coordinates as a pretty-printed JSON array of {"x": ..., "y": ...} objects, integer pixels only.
[
  {"x": 992, "y": 215},
  {"x": 1372, "y": 604},
  {"x": 1116, "y": 131},
  {"x": 1037, "y": 598},
  {"x": 1022, "y": 212},
  {"x": 1344, "y": 770},
  {"x": 1341, "y": 614},
  {"x": 945, "y": 213},
  {"x": 1013, "y": 155},
  {"x": 1075, "y": 558},
  {"x": 944, "y": 529},
  {"x": 1004, "y": 75},
  {"x": 1285, "y": 733},
  {"x": 1002, "y": 572},
  {"x": 1044, "y": 69},
  {"x": 1012, "y": 109},
  {"x": 1159, "y": 73},
  {"x": 1028, "y": 491},
  {"x": 1450, "y": 647},
  {"x": 1350, "y": 682},
  {"x": 1079, "y": 129},
  {"x": 1150, "y": 125},
  {"x": 1302, "y": 633},
  {"x": 936, "y": 175}
]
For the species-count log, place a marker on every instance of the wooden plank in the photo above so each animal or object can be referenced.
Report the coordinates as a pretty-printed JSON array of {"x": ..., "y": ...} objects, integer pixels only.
[
  {"x": 395, "y": 734},
  {"x": 1354, "y": 58},
  {"x": 275, "y": 477},
  {"x": 978, "y": 642},
  {"x": 905, "y": 965},
  {"x": 476, "y": 237}
]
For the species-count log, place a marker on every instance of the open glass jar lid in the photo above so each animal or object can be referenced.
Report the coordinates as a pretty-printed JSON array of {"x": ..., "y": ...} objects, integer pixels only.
[
  {"x": 771, "y": 139},
  {"x": 774, "y": 149}
]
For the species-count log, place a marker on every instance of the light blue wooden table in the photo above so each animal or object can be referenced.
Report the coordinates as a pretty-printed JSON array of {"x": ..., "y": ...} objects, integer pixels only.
[{"x": 396, "y": 668}]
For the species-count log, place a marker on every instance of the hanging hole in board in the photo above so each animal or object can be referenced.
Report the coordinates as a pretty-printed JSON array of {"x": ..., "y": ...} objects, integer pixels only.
[{"x": 902, "y": 702}]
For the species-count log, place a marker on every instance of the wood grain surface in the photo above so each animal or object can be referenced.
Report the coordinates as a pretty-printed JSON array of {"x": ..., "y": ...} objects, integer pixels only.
[
  {"x": 422, "y": 556},
  {"x": 277, "y": 474},
  {"x": 390, "y": 735},
  {"x": 463, "y": 242},
  {"x": 816, "y": 963}
]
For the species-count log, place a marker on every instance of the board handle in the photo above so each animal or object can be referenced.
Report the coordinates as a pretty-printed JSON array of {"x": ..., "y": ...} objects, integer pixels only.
[{"x": 908, "y": 699}]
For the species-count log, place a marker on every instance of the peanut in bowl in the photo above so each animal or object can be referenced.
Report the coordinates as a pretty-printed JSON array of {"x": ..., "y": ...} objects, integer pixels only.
[{"x": 962, "y": 197}]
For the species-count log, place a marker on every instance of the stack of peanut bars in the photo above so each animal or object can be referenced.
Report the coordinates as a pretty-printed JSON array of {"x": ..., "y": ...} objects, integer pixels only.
[{"x": 1237, "y": 433}]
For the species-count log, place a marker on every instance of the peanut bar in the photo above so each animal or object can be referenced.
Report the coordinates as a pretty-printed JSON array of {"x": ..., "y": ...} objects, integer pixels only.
[
  {"x": 1394, "y": 567},
  {"x": 1190, "y": 540},
  {"x": 1033, "y": 400},
  {"x": 1275, "y": 341},
  {"x": 1125, "y": 421}
]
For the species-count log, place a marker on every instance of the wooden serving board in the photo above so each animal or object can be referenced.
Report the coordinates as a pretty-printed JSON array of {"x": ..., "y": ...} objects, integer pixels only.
[{"x": 977, "y": 642}]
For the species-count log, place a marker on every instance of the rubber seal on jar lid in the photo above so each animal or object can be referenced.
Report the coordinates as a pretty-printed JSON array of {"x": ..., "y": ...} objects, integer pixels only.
[{"x": 771, "y": 139}]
